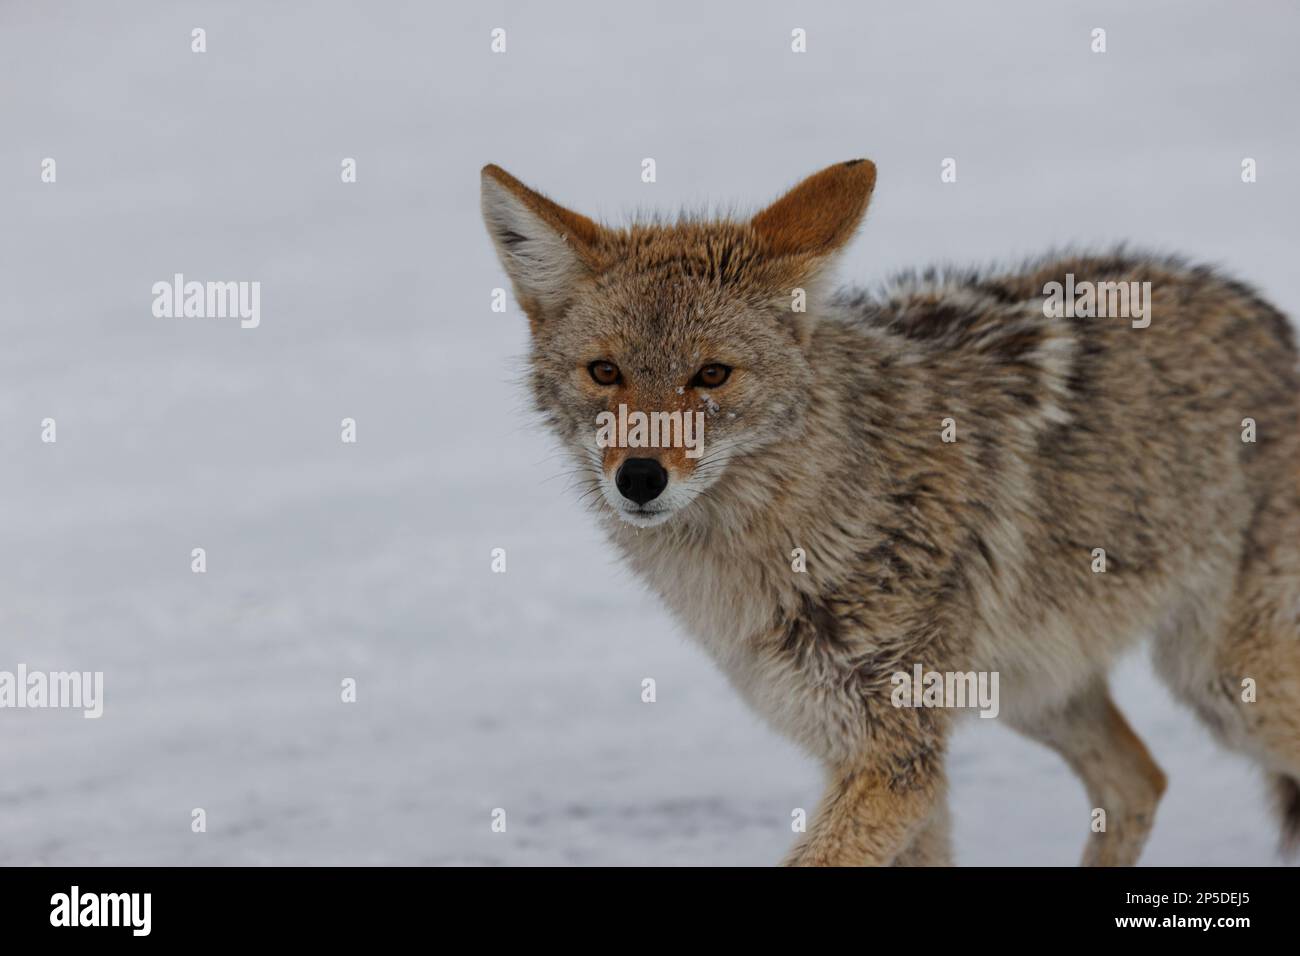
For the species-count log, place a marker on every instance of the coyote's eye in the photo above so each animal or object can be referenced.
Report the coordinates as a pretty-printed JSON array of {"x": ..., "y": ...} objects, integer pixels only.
[
  {"x": 605, "y": 373},
  {"x": 711, "y": 376}
]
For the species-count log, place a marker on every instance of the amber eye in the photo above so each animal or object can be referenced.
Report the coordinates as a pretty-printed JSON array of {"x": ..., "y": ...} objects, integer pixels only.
[
  {"x": 711, "y": 376},
  {"x": 605, "y": 373}
]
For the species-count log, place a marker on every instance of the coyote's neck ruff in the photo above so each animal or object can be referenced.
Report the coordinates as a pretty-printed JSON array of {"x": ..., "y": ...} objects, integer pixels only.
[{"x": 956, "y": 476}]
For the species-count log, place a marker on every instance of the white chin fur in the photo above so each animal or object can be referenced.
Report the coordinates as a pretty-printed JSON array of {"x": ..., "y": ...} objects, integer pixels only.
[{"x": 642, "y": 519}]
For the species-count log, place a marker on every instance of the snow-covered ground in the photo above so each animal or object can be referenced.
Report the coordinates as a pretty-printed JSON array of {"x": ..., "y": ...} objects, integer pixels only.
[{"x": 372, "y": 561}]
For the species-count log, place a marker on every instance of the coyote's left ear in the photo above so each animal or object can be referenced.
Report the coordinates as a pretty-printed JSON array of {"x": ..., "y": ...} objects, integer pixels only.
[
  {"x": 818, "y": 216},
  {"x": 546, "y": 250}
]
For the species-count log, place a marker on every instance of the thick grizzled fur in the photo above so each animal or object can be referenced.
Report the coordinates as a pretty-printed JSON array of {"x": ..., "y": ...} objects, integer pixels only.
[{"x": 1073, "y": 434}]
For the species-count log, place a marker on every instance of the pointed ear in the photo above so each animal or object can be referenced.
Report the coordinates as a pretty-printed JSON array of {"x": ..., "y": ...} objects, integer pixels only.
[
  {"x": 545, "y": 249},
  {"x": 819, "y": 215}
]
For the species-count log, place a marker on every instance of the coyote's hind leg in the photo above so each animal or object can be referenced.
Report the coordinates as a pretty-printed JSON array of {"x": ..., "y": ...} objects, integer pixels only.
[
  {"x": 1114, "y": 765},
  {"x": 1241, "y": 674}
]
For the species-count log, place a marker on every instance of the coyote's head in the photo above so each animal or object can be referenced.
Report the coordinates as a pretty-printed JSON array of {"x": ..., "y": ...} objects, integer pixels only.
[{"x": 639, "y": 334}]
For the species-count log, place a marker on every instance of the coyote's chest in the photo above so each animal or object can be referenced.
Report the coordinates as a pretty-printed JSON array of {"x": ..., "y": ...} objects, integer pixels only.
[
  {"x": 725, "y": 605},
  {"x": 736, "y": 608}
]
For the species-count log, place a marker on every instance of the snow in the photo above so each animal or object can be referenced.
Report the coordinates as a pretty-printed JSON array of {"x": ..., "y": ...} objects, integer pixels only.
[{"x": 373, "y": 560}]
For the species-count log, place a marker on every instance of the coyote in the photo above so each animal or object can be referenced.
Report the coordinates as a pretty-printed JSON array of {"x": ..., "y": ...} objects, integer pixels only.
[{"x": 948, "y": 474}]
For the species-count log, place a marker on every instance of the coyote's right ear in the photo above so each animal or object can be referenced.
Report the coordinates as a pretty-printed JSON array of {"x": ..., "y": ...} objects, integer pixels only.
[
  {"x": 818, "y": 216},
  {"x": 545, "y": 249}
]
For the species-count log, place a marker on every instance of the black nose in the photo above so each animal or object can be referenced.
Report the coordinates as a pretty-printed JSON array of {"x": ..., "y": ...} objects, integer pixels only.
[{"x": 641, "y": 479}]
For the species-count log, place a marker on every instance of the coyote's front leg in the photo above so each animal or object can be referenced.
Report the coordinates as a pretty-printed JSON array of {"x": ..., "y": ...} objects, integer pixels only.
[{"x": 869, "y": 815}]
